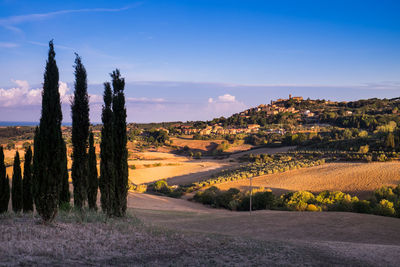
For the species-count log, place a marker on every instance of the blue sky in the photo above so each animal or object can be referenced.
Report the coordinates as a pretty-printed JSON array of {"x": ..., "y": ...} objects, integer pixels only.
[{"x": 189, "y": 60}]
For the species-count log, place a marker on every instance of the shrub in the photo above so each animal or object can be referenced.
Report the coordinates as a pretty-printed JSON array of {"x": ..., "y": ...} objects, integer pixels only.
[
  {"x": 264, "y": 200},
  {"x": 208, "y": 196},
  {"x": 312, "y": 207},
  {"x": 298, "y": 200},
  {"x": 224, "y": 198},
  {"x": 385, "y": 208},
  {"x": 362, "y": 206},
  {"x": 162, "y": 187}
]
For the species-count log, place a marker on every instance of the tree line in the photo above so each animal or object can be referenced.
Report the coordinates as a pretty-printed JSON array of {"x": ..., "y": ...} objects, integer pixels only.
[{"x": 45, "y": 181}]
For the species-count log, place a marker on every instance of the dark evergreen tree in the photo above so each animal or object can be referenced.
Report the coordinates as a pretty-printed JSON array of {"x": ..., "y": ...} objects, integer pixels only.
[
  {"x": 4, "y": 184},
  {"x": 80, "y": 134},
  {"x": 48, "y": 147},
  {"x": 107, "y": 178},
  {"x": 27, "y": 182},
  {"x": 65, "y": 195},
  {"x": 16, "y": 190},
  {"x": 120, "y": 139},
  {"x": 93, "y": 181}
]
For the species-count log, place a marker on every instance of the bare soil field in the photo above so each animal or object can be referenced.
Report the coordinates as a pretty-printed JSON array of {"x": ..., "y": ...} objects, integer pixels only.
[
  {"x": 355, "y": 178},
  {"x": 155, "y": 166},
  {"x": 203, "y": 145}
]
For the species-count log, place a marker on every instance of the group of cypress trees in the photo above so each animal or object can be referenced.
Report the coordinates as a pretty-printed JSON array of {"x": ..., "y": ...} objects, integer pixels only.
[
  {"x": 21, "y": 189},
  {"x": 114, "y": 154},
  {"x": 45, "y": 181}
]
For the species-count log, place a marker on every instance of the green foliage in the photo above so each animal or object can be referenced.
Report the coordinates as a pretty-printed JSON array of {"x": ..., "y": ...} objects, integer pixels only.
[
  {"x": 16, "y": 190},
  {"x": 120, "y": 140},
  {"x": 156, "y": 137},
  {"x": 48, "y": 169},
  {"x": 93, "y": 181},
  {"x": 107, "y": 169},
  {"x": 208, "y": 196},
  {"x": 385, "y": 208},
  {"x": 27, "y": 182},
  {"x": 4, "y": 184},
  {"x": 80, "y": 134},
  {"x": 298, "y": 201},
  {"x": 162, "y": 187}
]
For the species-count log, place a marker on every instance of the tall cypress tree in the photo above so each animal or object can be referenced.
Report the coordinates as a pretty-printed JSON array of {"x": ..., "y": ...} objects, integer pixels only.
[
  {"x": 65, "y": 195},
  {"x": 27, "y": 182},
  {"x": 80, "y": 133},
  {"x": 107, "y": 176},
  {"x": 120, "y": 140},
  {"x": 48, "y": 145},
  {"x": 16, "y": 190},
  {"x": 4, "y": 184},
  {"x": 93, "y": 181}
]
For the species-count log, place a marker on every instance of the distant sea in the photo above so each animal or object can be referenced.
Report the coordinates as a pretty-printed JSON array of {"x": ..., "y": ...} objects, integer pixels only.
[{"x": 25, "y": 123}]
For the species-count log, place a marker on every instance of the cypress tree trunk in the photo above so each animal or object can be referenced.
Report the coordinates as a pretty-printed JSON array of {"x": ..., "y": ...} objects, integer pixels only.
[
  {"x": 48, "y": 155},
  {"x": 93, "y": 181},
  {"x": 120, "y": 139},
  {"x": 4, "y": 184},
  {"x": 65, "y": 195},
  {"x": 80, "y": 133},
  {"x": 16, "y": 190},
  {"x": 27, "y": 182},
  {"x": 107, "y": 178}
]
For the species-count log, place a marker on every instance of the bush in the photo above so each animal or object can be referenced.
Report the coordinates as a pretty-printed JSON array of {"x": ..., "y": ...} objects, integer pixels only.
[
  {"x": 312, "y": 207},
  {"x": 264, "y": 200},
  {"x": 362, "y": 206},
  {"x": 223, "y": 199},
  {"x": 385, "y": 208},
  {"x": 208, "y": 196},
  {"x": 299, "y": 200}
]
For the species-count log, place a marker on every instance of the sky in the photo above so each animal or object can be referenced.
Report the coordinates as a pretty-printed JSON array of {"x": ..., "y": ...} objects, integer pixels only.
[{"x": 197, "y": 60}]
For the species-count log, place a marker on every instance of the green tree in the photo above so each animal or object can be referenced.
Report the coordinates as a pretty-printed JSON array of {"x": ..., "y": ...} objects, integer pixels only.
[
  {"x": 27, "y": 182},
  {"x": 93, "y": 182},
  {"x": 65, "y": 195},
  {"x": 48, "y": 144},
  {"x": 80, "y": 134},
  {"x": 107, "y": 175},
  {"x": 4, "y": 184},
  {"x": 120, "y": 139},
  {"x": 16, "y": 190}
]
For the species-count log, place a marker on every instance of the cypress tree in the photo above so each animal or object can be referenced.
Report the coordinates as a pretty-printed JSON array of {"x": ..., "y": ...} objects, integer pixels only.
[
  {"x": 65, "y": 195},
  {"x": 93, "y": 181},
  {"x": 48, "y": 145},
  {"x": 120, "y": 140},
  {"x": 4, "y": 184},
  {"x": 16, "y": 190},
  {"x": 27, "y": 182},
  {"x": 80, "y": 134},
  {"x": 107, "y": 180}
]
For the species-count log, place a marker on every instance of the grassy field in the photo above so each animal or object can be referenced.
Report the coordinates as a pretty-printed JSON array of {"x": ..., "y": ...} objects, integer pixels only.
[
  {"x": 355, "y": 178},
  {"x": 191, "y": 234}
]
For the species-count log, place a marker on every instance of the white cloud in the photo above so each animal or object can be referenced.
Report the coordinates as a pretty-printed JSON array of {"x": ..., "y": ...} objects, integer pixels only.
[
  {"x": 23, "y": 95},
  {"x": 224, "y": 105},
  {"x": 227, "y": 98}
]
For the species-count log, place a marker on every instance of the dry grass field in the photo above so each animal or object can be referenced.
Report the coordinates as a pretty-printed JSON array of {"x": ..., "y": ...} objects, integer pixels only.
[
  {"x": 161, "y": 231},
  {"x": 355, "y": 178}
]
